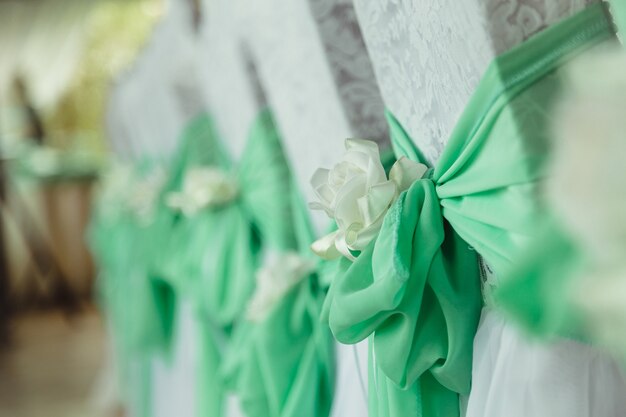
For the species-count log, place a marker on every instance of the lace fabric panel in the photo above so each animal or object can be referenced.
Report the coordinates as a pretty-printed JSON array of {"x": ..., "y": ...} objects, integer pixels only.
[
  {"x": 229, "y": 94},
  {"x": 351, "y": 67},
  {"x": 253, "y": 77},
  {"x": 282, "y": 38},
  {"x": 186, "y": 80},
  {"x": 510, "y": 22},
  {"x": 153, "y": 101},
  {"x": 115, "y": 128},
  {"x": 430, "y": 55}
]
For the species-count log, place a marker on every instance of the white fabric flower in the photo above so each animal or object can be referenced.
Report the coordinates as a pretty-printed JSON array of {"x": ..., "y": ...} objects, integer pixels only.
[
  {"x": 357, "y": 194},
  {"x": 280, "y": 273},
  {"x": 203, "y": 187},
  {"x": 145, "y": 192}
]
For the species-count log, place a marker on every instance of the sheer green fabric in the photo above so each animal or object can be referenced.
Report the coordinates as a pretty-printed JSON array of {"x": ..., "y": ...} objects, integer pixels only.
[
  {"x": 415, "y": 291},
  {"x": 199, "y": 147},
  {"x": 212, "y": 256},
  {"x": 146, "y": 299},
  {"x": 138, "y": 297},
  {"x": 281, "y": 366},
  {"x": 285, "y": 368}
]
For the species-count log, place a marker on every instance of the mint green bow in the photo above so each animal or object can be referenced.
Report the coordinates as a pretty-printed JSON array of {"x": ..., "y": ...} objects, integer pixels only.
[
  {"x": 282, "y": 365},
  {"x": 211, "y": 256},
  {"x": 415, "y": 290}
]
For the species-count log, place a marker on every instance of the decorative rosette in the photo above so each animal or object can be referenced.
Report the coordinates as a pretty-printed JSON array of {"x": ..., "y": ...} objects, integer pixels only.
[{"x": 357, "y": 194}]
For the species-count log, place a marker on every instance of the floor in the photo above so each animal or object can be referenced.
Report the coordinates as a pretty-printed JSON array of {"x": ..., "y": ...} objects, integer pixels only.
[{"x": 52, "y": 367}]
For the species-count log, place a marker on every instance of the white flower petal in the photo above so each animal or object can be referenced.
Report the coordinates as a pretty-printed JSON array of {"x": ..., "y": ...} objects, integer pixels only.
[
  {"x": 325, "y": 193},
  {"x": 341, "y": 173},
  {"x": 359, "y": 239},
  {"x": 375, "y": 173},
  {"x": 346, "y": 204},
  {"x": 325, "y": 247},
  {"x": 376, "y": 202},
  {"x": 366, "y": 156},
  {"x": 342, "y": 246},
  {"x": 321, "y": 206},
  {"x": 319, "y": 182},
  {"x": 363, "y": 145},
  {"x": 357, "y": 159},
  {"x": 405, "y": 172}
]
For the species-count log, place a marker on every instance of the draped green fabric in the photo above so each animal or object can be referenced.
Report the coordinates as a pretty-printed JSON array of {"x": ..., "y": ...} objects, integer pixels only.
[
  {"x": 279, "y": 367},
  {"x": 154, "y": 299},
  {"x": 415, "y": 291},
  {"x": 285, "y": 367},
  {"x": 199, "y": 147},
  {"x": 138, "y": 299},
  {"x": 217, "y": 249},
  {"x": 146, "y": 300},
  {"x": 119, "y": 243}
]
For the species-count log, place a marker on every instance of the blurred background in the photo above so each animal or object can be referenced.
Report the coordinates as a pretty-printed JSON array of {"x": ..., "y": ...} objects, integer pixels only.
[{"x": 58, "y": 59}]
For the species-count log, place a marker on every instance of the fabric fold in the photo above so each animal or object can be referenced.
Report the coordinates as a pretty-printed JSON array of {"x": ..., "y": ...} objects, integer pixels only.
[
  {"x": 284, "y": 366},
  {"x": 281, "y": 365},
  {"x": 417, "y": 293}
]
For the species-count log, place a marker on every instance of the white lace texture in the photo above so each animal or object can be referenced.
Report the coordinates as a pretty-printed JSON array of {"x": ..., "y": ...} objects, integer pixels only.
[
  {"x": 351, "y": 67},
  {"x": 430, "y": 55},
  {"x": 313, "y": 68}
]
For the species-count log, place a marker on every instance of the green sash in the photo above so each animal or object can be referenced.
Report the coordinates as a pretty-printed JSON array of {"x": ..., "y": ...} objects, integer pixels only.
[
  {"x": 213, "y": 257},
  {"x": 415, "y": 291},
  {"x": 285, "y": 367}
]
